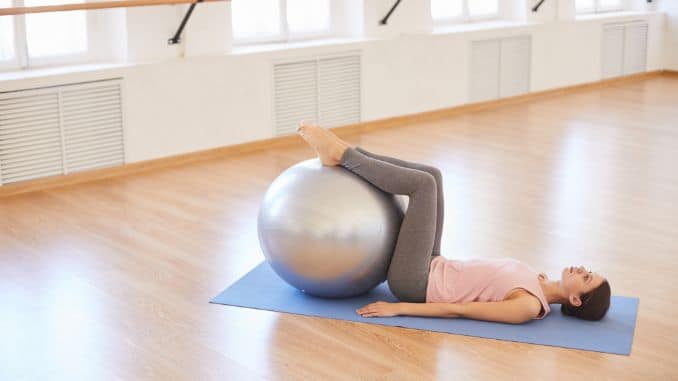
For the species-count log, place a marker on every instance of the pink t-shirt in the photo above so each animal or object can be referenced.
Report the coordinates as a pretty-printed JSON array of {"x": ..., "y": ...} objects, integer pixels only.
[{"x": 481, "y": 280}]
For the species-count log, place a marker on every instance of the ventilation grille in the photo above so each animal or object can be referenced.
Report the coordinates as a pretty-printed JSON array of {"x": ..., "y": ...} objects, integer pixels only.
[
  {"x": 30, "y": 139},
  {"x": 92, "y": 127},
  {"x": 500, "y": 68},
  {"x": 296, "y": 95},
  {"x": 624, "y": 49},
  {"x": 325, "y": 91},
  {"x": 339, "y": 91},
  {"x": 59, "y": 130},
  {"x": 516, "y": 54},
  {"x": 484, "y": 76},
  {"x": 635, "y": 48},
  {"x": 613, "y": 51}
]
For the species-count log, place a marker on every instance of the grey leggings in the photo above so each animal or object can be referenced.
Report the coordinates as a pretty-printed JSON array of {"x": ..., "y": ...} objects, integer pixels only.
[{"x": 419, "y": 238}]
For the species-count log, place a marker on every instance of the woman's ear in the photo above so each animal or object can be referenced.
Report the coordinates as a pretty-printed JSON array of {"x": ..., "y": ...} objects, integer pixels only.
[{"x": 574, "y": 300}]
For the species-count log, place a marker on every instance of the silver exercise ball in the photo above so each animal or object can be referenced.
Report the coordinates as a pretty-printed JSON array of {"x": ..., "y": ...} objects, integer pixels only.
[{"x": 328, "y": 232}]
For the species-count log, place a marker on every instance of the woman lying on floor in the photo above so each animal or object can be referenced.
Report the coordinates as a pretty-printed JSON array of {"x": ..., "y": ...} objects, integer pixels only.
[{"x": 426, "y": 283}]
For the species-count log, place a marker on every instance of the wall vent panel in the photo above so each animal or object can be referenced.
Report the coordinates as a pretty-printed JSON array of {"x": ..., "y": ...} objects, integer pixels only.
[
  {"x": 92, "y": 126},
  {"x": 484, "y": 71},
  {"x": 325, "y": 90},
  {"x": 339, "y": 91},
  {"x": 61, "y": 129},
  {"x": 624, "y": 49},
  {"x": 514, "y": 77},
  {"x": 30, "y": 137},
  {"x": 295, "y": 95},
  {"x": 635, "y": 48},
  {"x": 499, "y": 68},
  {"x": 612, "y": 51}
]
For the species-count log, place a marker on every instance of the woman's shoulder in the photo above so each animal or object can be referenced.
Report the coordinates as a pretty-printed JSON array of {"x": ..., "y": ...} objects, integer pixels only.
[
  {"x": 521, "y": 293},
  {"x": 529, "y": 300}
]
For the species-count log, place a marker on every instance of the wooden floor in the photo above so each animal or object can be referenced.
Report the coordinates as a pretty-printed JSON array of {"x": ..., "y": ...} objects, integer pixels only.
[{"x": 111, "y": 280}]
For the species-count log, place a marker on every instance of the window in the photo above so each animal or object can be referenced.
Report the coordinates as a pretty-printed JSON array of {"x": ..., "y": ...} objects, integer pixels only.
[
  {"x": 463, "y": 10},
  {"x": 40, "y": 39},
  {"x": 7, "y": 53},
  {"x": 280, "y": 20},
  {"x": 590, "y": 6}
]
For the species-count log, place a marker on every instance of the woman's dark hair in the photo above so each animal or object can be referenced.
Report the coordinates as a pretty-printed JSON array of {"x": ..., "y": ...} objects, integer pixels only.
[{"x": 594, "y": 304}]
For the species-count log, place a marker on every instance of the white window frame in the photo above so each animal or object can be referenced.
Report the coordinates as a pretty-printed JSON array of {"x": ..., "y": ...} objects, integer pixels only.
[
  {"x": 19, "y": 49},
  {"x": 286, "y": 36},
  {"x": 598, "y": 9},
  {"x": 21, "y": 59},
  {"x": 466, "y": 17}
]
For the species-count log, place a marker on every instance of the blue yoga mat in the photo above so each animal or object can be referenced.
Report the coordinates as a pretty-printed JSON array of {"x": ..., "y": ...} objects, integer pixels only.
[{"x": 261, "y": 288}]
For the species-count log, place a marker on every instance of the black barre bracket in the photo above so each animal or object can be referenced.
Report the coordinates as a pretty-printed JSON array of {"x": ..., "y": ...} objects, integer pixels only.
[
  {"x": 536, "y": 7},
  {"x": 385, "y": 19},
  {"x": 177, "y": 36}
]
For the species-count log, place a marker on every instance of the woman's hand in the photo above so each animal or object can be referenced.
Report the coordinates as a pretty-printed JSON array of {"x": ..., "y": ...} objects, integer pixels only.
[{"x": 379, "y": 309}]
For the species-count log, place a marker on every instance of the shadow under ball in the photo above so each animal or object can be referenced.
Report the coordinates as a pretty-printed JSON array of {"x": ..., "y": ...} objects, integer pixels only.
[{"x": 328, "y": 232}]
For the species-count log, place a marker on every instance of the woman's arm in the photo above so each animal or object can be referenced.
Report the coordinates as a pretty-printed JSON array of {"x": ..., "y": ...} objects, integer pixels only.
[{"x": 515, "y": 311}]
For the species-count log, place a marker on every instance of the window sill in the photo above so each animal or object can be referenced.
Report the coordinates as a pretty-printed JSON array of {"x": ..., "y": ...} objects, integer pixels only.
[
  {"x": 613, "y": 15},
  {"x": 478, "y": 26},
  {"x": 280, "y": 46},
  {"x": 21, "y": 74}
]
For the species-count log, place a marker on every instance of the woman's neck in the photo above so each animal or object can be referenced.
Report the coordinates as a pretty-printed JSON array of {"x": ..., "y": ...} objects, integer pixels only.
[{"x": 553, "y": 292}]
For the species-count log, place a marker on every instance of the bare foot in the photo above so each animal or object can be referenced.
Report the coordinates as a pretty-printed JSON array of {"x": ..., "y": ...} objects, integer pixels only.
[
  {"x": 326, "y": 132},
  {"x": 336, "y": 138},
  {"x": 329, "y": 150}
]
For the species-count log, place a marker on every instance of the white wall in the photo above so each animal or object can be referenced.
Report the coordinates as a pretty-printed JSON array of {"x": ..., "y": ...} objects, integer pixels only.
[
  {"x": 670, "y": 9},
  {"x": 198, "y": 95}
]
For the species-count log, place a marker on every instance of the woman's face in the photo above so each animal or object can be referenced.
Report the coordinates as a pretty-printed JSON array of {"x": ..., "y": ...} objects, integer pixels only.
[{"x": 577, "y": 280}]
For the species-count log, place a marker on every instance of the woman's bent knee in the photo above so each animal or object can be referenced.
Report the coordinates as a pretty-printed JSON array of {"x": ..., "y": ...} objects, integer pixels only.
[
  {"x": 426, "y": 180},
  {"x": 436, "y": 174}
]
